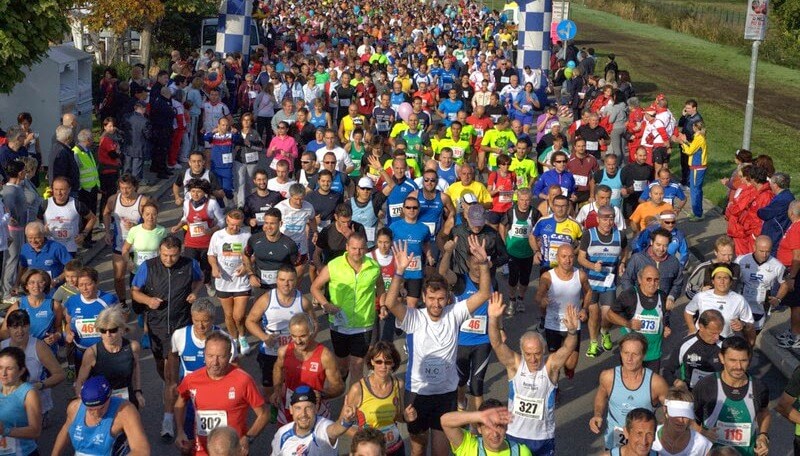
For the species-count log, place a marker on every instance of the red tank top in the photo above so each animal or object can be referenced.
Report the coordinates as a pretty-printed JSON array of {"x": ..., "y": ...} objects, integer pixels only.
[
  {"x": 198, "y": 220},
  {"x": 309, "y": 372}
]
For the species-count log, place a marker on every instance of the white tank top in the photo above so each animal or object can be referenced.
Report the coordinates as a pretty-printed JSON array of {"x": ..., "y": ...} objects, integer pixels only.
[
  {"x": 532, "y": 402},
  {"x": 562, "y": 293},
  {"x": 698, "y": 444},
  {"x": 187, "y": 176},
  {"x": 125, "y": 217},
  {"x": 36, "y": 371},
  {"x": 276, "y": 320},
  {"x": 63, "y": 222}
]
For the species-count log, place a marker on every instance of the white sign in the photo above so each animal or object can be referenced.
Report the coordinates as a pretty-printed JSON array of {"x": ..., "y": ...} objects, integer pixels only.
[
  {"x": 755, "y": 27},
  {"x": 560, "y": 11}
]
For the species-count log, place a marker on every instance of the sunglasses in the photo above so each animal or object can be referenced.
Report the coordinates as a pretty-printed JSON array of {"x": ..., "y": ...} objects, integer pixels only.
[
  {"x": 429, "y": 180},
  {"x": 412, "y": 208},
  {"x": 560, "y": 161},
  {"x": 364, "y": 188},
  {"x": 305, "y": 162},
  {"x": 330, "y": 163},
  {"x": 380, "y": 362},
  {"x": 109, "y": 331},
  {"x": 669, "y": 223}
]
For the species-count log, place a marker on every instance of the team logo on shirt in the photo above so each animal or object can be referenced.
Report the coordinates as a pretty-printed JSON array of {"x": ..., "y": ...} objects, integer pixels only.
[
  {"x": 313, "y": 366},
  {"x": 232, "y": 393},
  {"x": 301, "y": 450}
]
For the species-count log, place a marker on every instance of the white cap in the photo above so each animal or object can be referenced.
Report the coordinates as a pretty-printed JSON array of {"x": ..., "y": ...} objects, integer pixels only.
[
  {"x": 469, "y": 198},
  {"x": 366, "y": 182},
  {"x": 677, "y": 409}
]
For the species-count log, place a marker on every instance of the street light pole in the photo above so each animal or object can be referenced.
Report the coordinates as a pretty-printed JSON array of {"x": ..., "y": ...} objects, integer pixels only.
[{"x": 751, "y": 90}]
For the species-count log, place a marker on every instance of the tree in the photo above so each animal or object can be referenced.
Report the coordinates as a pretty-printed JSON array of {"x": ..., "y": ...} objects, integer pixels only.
[{"x": 26, "y": 29}]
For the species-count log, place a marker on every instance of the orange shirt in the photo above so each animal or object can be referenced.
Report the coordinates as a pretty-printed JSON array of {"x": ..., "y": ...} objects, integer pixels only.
[{"x": 646, "y": 210}]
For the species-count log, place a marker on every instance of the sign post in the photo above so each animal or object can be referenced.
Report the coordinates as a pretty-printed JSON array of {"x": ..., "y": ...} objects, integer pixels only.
[
  {"x": 755, "y": 28},
  {"x": 566, "y": 31}
]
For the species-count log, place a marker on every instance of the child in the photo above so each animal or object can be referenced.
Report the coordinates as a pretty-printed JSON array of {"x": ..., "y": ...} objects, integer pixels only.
[{"x": 64, "y": 292}]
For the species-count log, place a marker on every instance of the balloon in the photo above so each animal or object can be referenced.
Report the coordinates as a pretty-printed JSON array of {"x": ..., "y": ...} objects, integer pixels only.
[
  {"x": 404, "y": 111},
  {"x": 568, "y": 73},
  {"x": 571, "y": 64},
  {"x": 311, "y": 13}
]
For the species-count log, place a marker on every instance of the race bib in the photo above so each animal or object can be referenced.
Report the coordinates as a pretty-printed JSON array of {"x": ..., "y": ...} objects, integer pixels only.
[
  {"x": 615, "y": 194},
  {"x": 619, "y": 437},
  {"x": 639, "y": 185},
  {"x": 552, "y": 253},
  {"x": 458, "y": 153},
  {"x": 227, "y": 159},
  {"x": 86, "y": 327},
  {"x": 391, "y": 435},
  {"x": 363, "y": 101},
  {"x": 260, "y": 217},
  {"x": 121, "y": 393},
  {"x": 252, "y": 94},
  {"x": 382, "y": 126},
  {"x": 529, "y": 407},
  {"x": 475, "y": 325},
  {"x": 447, "y": 85},
  {"x": 592, "y": 145},
  {"x": 396, "y": 210},
  {"x": 733, "y": 434},
  {"x": 8, "y": 445},
  {"x": 650, "y": 324},
  {"x": 344, "y": 102},
  {"x": 269, "y": 277},
  {"x": 526, "y": 107},
  {"x": 197, "y": 229},
  {"x": 581, "y": 181},
  {"x": 479, "y": 132},
  {"x": 414, "y": 265},
  {"x": 370, "y": 231},
  {"x": 250, "y": 157},
  {"x": 340, "y": 319},
  {"x": 698, "y": 375},
  {"x": 208, "y": 420},
  {"x": 565, "y": 191},
  {"x": 431, "y": 227},
  {"x": 519, "y": 231},
  {"x": 608, "y": 282},
  {"x": 452, "y": 116},
  {"x": 668, "y": 200},
  {"x": 141, "y": 257},
  {"x": 506, "y": 197},
  {"x": 504, "y": 80},
  {"x": 322, "y": 225},
  {"x": 60, "y": 233}
]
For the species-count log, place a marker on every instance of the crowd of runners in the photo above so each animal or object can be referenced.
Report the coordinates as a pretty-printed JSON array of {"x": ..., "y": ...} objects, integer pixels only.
[{"x": 384, "y": 171}]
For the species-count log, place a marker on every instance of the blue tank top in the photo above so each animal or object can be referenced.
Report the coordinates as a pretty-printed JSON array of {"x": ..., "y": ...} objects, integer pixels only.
[
  {"x": 394, "y": 202},
  {"x": 97, "y": 440},
  {"x": 608, "y": 254},
  {"x": 616, "y": 186},
  {"x": 192, "y": 356},
  {"x": 621, "y": 401},
  {"x": 13, "y": 415},
  {"x": 448, "y": 175},
  {"x": 42, "y": 318},
  {"x": 474, "y": 330},
  {"x": 430, "y": 211},
  {"x": 417, "y": 235},
  {"x": 83, "y": 316},
  {"x": 319, "y": 121},
  {"x": 365, "y": 216}
]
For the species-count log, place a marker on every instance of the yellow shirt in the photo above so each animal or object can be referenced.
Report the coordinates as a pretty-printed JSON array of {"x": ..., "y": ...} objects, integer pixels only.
[
  {"x": 457, "y": 190},
  {"x": 469, "y": 447},
  {"x": 398, "y": 128},
  {"x": 461, "y": 149},
  {"x": 350, "y": 123}
]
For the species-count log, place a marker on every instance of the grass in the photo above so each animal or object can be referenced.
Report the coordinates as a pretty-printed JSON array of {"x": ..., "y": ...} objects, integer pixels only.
[{"x": 725, "y": 123}]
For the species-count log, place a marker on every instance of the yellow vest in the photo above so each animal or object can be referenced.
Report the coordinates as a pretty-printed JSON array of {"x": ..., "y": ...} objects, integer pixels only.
[{"x": 90, "y": 178}]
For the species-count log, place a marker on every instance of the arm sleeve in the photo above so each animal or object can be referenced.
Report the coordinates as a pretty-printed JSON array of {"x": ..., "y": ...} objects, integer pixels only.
[
  {"x": 677, "y": 285},
  {"x": 197, "y": 273},
  {"x": 141, "y": 276},
  {"x": 628, "y": 277}
]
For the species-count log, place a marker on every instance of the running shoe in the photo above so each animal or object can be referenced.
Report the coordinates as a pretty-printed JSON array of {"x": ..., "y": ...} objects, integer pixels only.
[
  {"x": 793, "y": 343},
  {"x": 785, "y": 335},
  {"x": 594, "y": 349},
  {"x": 607, "y": 344},
  {"x": 244, "y": 347},
  {"x": 167, "y": 430},
  {"x": 695, "y": 218},
  {"x": 145, "y": 342},
  {"x": 510, "y": 308}
]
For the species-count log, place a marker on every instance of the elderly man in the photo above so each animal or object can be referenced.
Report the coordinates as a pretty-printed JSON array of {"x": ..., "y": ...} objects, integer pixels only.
[
  {"x": 762, "y": 277},
  {"x": 670, "y": 271},
  {"x": 697, "y": 355},
  {"x": 63, "y": 162},
  {"x": 673, "y": 193},
  {"x": 476, "y": 225},
  {"x": 789, "y": 255},
  {"x": 774, "y": 214},
  {"x": 42, "y": 253},
  {"x": 67, "y": 220},
  {"x": 223, "y": 441}
]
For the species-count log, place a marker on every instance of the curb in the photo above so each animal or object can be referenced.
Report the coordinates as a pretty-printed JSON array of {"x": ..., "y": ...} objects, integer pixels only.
[
  {"x": 155, "y": 192},
  {"x": 782, "y": 358}
]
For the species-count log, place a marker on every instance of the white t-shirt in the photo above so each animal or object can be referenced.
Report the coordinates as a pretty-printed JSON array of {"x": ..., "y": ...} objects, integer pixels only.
[
  {"x": 343, "y": 160},
  {"x": 212, "y": 114},
  {"x": 698, "y": 444},
  {"x": 229, "y": 250},
  {"x": 758, "y": 279},
  {"x": 583, "y": 213},
  {"x": 731, "y": 306},
  {"x": 295, "y": 221},
  {"x": 274, "y": 186},
  {"x": 432, "y": 348},
  {"x": 287, "y": 443}
]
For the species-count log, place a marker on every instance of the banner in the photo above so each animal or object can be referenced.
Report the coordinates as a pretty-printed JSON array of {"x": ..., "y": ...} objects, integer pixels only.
[{"x": 755, "y": 27}]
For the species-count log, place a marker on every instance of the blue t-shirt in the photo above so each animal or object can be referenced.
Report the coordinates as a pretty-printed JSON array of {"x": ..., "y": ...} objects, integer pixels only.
[
  {"x": 83, "y": 316},
  {"x": 416, "y": 234},
  {"x": 51, "y": 259},
  {"x": 474, "y": 331},
  {"x": 450, "y": 109}
]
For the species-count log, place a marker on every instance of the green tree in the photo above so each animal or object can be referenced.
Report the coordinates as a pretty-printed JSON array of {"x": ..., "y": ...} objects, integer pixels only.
[{"x": 27, "y": 27}]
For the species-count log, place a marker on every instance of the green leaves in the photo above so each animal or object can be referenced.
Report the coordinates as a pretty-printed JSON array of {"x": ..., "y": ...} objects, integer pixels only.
[{"x": 26, "y": 29}]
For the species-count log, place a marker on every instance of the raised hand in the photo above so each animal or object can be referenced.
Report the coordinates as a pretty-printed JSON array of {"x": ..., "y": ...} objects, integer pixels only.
[
  {"x": 571, "y": 319},
  {"x": 450, "y": 245},
  {"x": 477, "y": 248},
  {"x": 401, "y": 256},
  {"x": 496, "y": 305}
]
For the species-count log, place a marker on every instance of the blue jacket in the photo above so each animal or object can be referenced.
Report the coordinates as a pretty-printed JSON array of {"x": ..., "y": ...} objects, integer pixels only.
[
  {"x": 678, "y": 247},
  {"x": 565, "y": 180},
  {"x": 776, "y": 218}
]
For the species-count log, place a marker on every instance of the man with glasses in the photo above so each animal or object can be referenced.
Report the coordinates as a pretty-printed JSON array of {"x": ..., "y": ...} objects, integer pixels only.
[
  {"x": 602, "y": 254},
  {"x": 677, "y": 246},
  {"x": 397, "y": 189},
  {"x": 366, "y": 204},
  {"x": 641, "y": 309},
  {"x": 556, "y": 176},
  {"x": 340, "y": 182},
  {"x": 436, "y": 207},
  {"x": 417, "y": 236},
  {"x": 468, "y": 184},
  {"x": 308, "y": 167},
  {"x": 343, "y": 161},
  {"x": 671, "y": 276},
  {"x": 259, "y": 202},
  {"x": 552, "y": 232}
]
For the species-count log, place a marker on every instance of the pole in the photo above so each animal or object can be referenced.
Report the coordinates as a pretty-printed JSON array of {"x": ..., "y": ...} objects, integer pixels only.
[{"x": 751, "y": 89}]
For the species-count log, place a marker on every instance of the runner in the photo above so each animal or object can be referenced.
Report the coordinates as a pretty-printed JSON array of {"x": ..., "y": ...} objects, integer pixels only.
[
  {"x": 417, "y": 237},
  {"x": 122, "y": 212},
  {"x": 257, "y": 204},
  {"x": 732, "y": 406},
  {"x": 533, "y": 380},
  {"x": 304, "y": 361},
  {"x": 624, "y": 388},
  {"x": 762, "y": 276},
  {"x": 700, "y": 278},
  {"x": 225, "y": 256},
  {"x": 669, "y": 268},
  {"x": 109, "y": 425},
  {"x": 42, "y": 254},
  {"x": 47, "y": 316},
  {"x": 269, "y": 318},
  {"x": 436, "y": 208},
  {"x": 432, "y": 344},
  {"x": 587, "y": 214},
  {"x": 639, "y": 433},
  {"x": 21, "y": 405},
  {"x": 676, "y": 437},
  {"x": 491, "y": 422},
  {"x": 222, "y": 395},
  {"x": 697, "y": 356},
  {"x": 738, "y": 317},
  {"x": 67, "y": 220},
  {"x": 552, "y": 232},
  {"x": 299, "y": 224},
  {"x": 268, "y": 250},
  {"x": 195, "y": 170},
  {"x": 516, "y": 229}
]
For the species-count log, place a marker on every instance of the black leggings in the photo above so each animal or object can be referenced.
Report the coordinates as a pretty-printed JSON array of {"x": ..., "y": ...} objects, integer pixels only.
[
  {"x": 201, "y": 255},
  {"x": 471, "y": 364},
  {"x": 519, "y": 271}
]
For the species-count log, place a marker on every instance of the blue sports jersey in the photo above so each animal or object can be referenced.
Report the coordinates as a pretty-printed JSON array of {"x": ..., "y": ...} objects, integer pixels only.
[{"x": 416, "y": 234}]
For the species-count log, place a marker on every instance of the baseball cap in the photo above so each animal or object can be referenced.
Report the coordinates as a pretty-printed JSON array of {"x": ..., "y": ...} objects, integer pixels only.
[
  {"x": 469, "y": 198},
  {"x": 476, "y": 215},
  {"x": 366, "y": 182},
  {"x": 721, "y": 269},
  {"x": 650, "y": 110},
  {"x": 95, "y": 391},
  {"x": 303, "y": 393}
]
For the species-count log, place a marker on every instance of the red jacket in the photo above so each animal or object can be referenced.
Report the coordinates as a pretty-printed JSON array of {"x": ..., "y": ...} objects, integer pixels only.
[{"x": 108, "y": 155}]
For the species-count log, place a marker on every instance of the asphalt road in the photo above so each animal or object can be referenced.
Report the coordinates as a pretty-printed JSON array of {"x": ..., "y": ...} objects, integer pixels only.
[{"x": 572, "y": 414}]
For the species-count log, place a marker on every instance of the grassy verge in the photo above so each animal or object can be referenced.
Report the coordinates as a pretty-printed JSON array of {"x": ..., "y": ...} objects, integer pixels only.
[{"x": 725, "y": 123}]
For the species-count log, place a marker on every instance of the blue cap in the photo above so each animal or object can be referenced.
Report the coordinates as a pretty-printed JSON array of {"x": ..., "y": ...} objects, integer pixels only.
[
  {"x": 303, "y": 393},
  {"x": 95, "y": 391}
]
